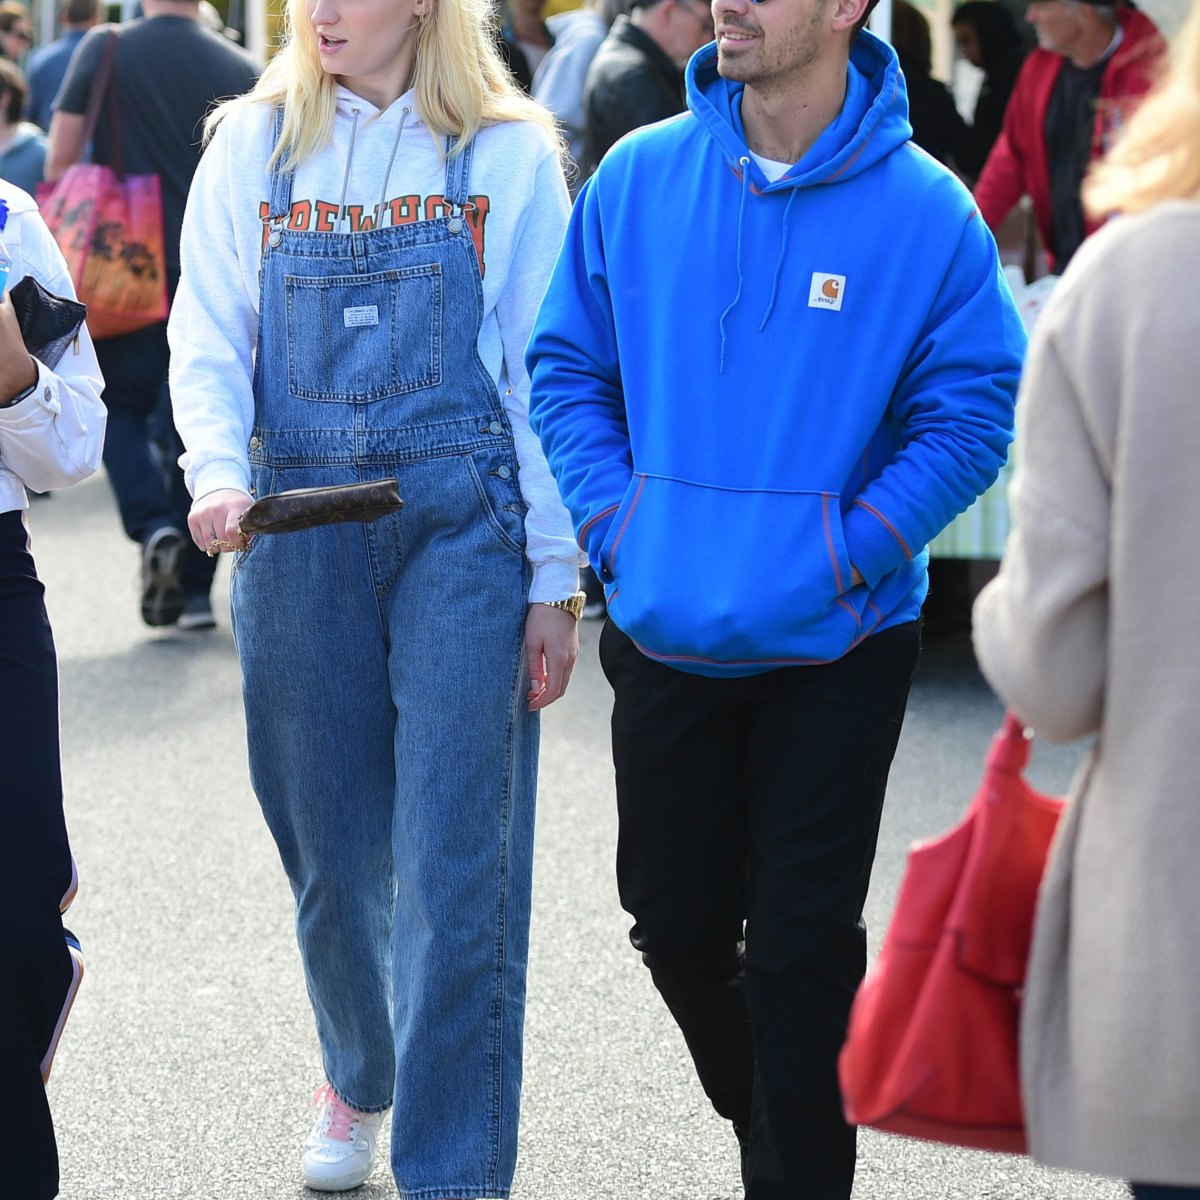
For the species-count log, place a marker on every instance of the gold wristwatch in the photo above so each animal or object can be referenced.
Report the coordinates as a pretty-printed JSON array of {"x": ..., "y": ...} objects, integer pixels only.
[{"x": 572, "y": 604}]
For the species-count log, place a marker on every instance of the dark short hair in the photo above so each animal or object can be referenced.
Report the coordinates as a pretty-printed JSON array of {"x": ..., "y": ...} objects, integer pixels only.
[
  {"x": 13, "y": 84},
  {"x": 861, "y": 24},
  {"x": 79, "y": 12}
]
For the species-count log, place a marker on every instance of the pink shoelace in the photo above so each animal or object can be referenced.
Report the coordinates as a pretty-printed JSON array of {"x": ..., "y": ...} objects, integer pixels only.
[{"x": 340, "y": 1117}]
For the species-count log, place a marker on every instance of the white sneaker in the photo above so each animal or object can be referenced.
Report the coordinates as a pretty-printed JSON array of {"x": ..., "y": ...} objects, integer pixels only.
[{"x": 340, "y": 1151}]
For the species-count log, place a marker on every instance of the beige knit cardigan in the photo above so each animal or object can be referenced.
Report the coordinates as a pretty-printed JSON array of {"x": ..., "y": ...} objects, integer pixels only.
[{"x": 1093, "y": 627}]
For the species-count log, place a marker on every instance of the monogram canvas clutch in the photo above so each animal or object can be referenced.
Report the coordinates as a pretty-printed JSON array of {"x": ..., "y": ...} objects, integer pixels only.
[{"x": 303, "y": 508}]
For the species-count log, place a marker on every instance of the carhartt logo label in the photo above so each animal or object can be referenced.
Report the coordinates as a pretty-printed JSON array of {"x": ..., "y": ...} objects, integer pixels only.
[
  {"x": 826, "y": 291},
  {"x": 365, "y": 314}
]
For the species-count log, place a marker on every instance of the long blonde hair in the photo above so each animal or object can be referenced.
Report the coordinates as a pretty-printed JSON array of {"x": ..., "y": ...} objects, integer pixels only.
[
  {"x": 460, "y": 80},
  {"x": 1157, "y": 156}
]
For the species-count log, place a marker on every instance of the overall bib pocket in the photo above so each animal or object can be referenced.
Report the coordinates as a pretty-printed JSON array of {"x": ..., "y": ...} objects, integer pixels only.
[{"x": 358, "y": 338}]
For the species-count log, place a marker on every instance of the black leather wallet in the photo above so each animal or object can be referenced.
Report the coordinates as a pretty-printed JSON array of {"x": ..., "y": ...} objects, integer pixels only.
[{"x": 49, "y": 323}]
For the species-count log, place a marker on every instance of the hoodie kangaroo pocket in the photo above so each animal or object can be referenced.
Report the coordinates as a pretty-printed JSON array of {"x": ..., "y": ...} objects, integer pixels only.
[{"x": 715, "y": 579}]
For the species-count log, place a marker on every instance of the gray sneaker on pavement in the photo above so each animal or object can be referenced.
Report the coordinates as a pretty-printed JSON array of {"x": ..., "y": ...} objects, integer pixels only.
[{"x": 162, "y": 588}]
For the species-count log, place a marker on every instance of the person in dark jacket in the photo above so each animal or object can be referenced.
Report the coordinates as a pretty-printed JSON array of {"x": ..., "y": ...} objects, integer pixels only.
[
  {"x": 558, "y": 83},
  {"x": 987, "y": 37},
  {"x": 937, "y": 126},
  {"x": 526, "y": 39},
  {"x": 636, "y": 77}
]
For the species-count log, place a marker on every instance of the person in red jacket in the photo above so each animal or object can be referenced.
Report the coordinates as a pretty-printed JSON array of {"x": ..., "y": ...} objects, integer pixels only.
[{"x": 1075, "y": 91}]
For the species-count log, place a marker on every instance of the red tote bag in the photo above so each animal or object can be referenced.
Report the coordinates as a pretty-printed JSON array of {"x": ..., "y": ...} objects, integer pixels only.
[
  {"x": 932, "y": 1045},
  {"x": 109, "y": 228}
]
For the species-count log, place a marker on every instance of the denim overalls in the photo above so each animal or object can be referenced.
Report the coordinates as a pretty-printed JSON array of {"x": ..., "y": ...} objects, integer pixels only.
[{"x": 390, "y": 744}]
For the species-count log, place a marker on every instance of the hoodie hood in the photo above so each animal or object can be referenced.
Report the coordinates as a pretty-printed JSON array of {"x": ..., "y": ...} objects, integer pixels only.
[
  {"x": 349, "y": 102},
  {"x": 872, "y": 123}
]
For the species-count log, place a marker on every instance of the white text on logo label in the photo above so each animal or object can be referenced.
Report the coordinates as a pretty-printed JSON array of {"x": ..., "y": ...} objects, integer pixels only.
[{"x": 365, "y": 314}]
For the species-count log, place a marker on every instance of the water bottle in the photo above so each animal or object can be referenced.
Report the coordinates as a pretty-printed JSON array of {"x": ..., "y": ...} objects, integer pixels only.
[{"x": 5, "y": 257}]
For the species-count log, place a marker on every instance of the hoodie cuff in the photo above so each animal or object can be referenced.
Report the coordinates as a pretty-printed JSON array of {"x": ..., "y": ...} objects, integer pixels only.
[
  {"x": 222, "y": 473},
  {"x": 553, "y": 579},
  {"x": 594, "y": 533},
  {"x": 873, "y": 543}
]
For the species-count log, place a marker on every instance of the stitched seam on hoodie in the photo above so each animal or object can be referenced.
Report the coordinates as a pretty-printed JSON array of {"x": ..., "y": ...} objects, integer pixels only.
[
  {"x": 887, "y": 525},
  {"x": 612, "y": 554},
  {"x": 598, "y": 517}
]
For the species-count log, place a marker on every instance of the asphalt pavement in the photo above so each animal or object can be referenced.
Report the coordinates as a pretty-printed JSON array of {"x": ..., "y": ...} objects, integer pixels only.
[{"x": 187, "y": 1067}]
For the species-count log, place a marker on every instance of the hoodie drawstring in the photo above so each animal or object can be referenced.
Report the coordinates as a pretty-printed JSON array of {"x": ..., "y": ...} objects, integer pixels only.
[
  {"x": 346, "y": 173},
  {"x": 744, "y": 163},
  {"x": 779, "y": 265},
  {"x": 404, "y": 114},
  {"x": 388, "y": 173}
]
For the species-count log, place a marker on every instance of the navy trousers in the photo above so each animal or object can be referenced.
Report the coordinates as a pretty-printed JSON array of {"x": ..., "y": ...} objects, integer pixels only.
[
  {"x": 35, "y": 868},
  {"x": 142, "y": 447}
]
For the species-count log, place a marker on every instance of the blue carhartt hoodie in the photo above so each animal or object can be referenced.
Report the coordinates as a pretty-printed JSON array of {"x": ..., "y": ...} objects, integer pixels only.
[{"x": 743, "y": 388}]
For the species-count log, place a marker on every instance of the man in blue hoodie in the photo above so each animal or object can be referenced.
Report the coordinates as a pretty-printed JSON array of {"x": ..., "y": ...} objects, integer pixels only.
[{"x": 777, "y": 356}]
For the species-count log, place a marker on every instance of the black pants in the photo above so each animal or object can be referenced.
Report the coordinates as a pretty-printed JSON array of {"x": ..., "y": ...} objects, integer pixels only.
[
  {"x": 749, "y": 812},
  {"x": 35, "y": 869}
]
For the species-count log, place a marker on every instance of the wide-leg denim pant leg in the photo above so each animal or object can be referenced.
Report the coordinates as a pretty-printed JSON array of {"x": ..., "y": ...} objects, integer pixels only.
[
  {"x": 466, "y": 765},
  {"x": 395, "y": 760},
  {"x": 320, "y": 725}
]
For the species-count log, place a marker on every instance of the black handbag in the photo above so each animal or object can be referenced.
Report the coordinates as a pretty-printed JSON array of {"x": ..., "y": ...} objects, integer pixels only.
[{"x": 49, "y": 323}]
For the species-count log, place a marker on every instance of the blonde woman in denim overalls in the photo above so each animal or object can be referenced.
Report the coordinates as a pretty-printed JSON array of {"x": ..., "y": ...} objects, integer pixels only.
[{"x": 366, "y": 244}]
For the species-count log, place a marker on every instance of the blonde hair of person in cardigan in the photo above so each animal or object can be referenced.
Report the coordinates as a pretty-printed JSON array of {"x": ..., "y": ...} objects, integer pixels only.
[
  {"x": 460, "y": 80},
  {"x": 1157, "y": 156}
]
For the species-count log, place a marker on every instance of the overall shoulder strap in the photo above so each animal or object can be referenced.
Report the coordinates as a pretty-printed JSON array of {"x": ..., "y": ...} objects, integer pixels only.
[
  {"x": 281, "y": 180},
  {"x": 458, "y": 175}
]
